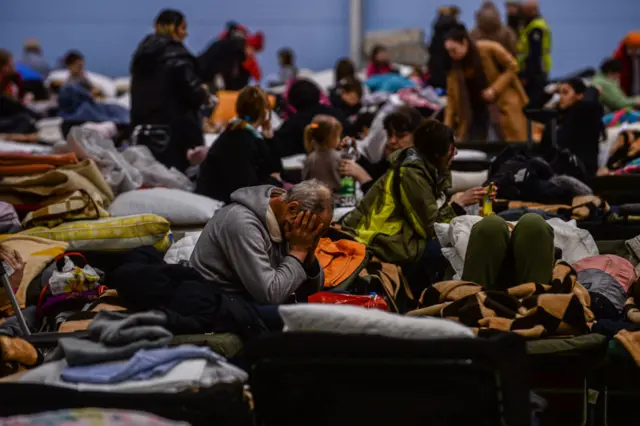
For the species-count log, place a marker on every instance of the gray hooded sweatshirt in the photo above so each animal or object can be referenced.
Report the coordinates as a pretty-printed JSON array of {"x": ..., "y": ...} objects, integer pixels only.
[{"x": 242, "y": 246}]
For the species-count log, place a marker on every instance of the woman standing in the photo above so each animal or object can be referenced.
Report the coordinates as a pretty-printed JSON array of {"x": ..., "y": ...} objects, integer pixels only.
[
  {"x": 166, "y": 91},
  {"x": 485, "y": 97}
]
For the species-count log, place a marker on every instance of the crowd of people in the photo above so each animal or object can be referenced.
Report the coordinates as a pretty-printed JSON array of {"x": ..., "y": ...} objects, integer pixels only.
[{"x": 262, "y": 243}]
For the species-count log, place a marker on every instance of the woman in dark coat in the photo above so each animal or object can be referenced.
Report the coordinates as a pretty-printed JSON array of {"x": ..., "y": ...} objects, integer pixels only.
[{"x": 166, "y": 91}]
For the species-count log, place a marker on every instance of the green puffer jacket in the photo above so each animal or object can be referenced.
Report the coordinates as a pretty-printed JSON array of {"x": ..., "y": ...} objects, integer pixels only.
[{"x": 396, "y": 231}]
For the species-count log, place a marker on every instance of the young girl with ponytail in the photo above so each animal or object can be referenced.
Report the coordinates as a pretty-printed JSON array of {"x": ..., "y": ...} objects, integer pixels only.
[{"x": 322, "y": 140}]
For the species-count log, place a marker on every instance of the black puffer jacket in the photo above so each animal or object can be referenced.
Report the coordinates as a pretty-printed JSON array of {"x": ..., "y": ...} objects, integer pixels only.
[{"x": 166, "y": 90}]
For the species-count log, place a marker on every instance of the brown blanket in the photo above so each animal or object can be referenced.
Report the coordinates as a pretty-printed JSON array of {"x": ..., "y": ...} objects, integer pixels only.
[
  {"x": 631, "y": 339},
  {"x": 533, "y": 310}
]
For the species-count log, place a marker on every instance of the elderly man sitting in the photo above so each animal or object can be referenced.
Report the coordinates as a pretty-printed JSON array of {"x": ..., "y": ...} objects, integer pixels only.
[{"x": 262, "y": 245}]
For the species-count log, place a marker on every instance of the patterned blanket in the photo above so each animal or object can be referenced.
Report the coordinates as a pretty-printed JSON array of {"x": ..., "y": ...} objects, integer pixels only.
[{"x": 533, "y": 310}]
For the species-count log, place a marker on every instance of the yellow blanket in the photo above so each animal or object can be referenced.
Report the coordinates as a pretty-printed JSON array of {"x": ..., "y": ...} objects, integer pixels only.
[{"x": 37, "y": 253}]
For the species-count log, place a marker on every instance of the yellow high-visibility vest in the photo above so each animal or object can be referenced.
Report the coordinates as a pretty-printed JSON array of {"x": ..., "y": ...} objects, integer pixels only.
[{"x": 523, "y": 44}]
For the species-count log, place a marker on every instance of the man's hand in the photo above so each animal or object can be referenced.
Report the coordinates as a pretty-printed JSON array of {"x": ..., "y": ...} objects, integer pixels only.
[
  {"x": 469, "y": 197},
  {"x": 302, "y": 235},
  {"x": 353, "y": 169},
  {"x": 15, "y": 262}
]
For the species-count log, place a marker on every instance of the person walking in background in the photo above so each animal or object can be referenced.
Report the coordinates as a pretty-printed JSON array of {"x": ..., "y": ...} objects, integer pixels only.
[
  {"x": 33, "y": 58},
  {"x": 608, "y": 81},
  {"x": 485, "y": 97},
  {"x": 229, "y": 63},
  {"x": 534, "y": 53},
  {"x": 628, "y": 53},
  {"x": 439, "y": 60},
  {"x": 514, "y": 16},
  {"x": 287, "y": 62},
  {"x": 489, "y": 27},
  {"x": 166, "y": 90}
]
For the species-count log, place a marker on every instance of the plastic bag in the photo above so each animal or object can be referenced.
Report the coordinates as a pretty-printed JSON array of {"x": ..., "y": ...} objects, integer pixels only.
[
  {"x": 70, "y": 278},
  {"x": 370, "y": 301}
]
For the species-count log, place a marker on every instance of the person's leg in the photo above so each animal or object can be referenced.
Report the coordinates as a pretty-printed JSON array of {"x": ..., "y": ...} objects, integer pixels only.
[
  {"x": 486, "y": 251},
  {"x": 270, "y": 316},
  {"x": 426, "y": 271},
  {"x": 533, "y": 250}
]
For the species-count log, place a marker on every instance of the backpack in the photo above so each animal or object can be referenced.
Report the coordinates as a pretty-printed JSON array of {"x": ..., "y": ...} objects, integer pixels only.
[{"x": 342, "y": 262}]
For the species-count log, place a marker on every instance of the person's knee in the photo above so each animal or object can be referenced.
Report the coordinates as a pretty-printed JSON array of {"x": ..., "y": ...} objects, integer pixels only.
[
  {"x": 533, "y": 226},
  {"x": 490, "y": 227}
]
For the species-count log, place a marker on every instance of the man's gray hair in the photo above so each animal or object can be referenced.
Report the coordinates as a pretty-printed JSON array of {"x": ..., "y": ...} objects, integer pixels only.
[{"x": 312, "y": 195}]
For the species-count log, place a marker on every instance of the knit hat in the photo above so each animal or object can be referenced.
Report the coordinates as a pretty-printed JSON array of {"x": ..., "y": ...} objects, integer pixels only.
[{"x": 577, "y": 85}]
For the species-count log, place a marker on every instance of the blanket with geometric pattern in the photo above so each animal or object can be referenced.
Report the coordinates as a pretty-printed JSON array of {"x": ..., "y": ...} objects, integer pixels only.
[{"x": 533, "y": 310}]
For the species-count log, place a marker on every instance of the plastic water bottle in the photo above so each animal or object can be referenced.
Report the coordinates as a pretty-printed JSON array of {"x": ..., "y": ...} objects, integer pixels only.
[{"x": 347, "y": 197}]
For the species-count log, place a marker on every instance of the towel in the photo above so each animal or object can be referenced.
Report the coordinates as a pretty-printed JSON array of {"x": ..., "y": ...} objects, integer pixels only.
[{"x": 144, "y": 365}]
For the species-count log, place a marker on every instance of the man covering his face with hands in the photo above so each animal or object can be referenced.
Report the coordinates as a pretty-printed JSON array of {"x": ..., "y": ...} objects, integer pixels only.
[{"x": 262, "y": 245}]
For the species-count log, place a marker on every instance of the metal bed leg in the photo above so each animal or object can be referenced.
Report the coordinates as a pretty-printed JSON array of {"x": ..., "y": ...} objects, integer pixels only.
[{"x": 14, "y": 302}]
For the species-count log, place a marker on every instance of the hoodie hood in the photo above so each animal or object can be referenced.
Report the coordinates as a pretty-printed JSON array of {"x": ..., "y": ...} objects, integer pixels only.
[
  {"x": 154, "y": 50},
  {"x": 256, "y": 199},
  {"x": 488, "y": 19}
]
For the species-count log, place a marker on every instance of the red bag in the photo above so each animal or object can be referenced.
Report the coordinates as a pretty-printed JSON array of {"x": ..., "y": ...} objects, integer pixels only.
[{"x": 371, "y": 301}]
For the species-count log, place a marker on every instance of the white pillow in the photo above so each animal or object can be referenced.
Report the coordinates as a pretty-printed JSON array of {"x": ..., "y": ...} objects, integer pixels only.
[
  {"x": 470, "y": 155},
  {"x": 461, "y": 181},
  {"x": 123, "y": 84},
  {"x": 177, "y": 206},
  {"x": 344, "y": 319}
]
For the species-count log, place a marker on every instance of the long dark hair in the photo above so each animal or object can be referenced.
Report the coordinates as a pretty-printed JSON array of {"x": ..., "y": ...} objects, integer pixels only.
[{"x": 471, "y": 61}]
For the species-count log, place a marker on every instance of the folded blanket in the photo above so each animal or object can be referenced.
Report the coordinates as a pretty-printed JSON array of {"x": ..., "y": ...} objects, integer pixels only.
[
  {"x": 533, "y": 310},
  {"x": 19, "y": 164},
  {"x": 64, "y": 180}
]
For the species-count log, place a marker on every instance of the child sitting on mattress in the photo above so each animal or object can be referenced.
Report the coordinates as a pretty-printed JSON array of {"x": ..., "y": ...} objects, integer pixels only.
[
  {"x": 74, "y": 61},
  {"x": 322, "y": 139}
]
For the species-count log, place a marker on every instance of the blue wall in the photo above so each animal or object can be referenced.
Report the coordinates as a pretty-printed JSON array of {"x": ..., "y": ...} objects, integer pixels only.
[{"x": 107, "y": 32}]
